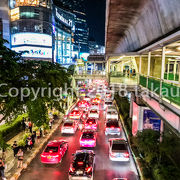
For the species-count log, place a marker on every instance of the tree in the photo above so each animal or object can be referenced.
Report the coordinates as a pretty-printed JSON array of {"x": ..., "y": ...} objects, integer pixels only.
[{"x": 27, "y": 77}]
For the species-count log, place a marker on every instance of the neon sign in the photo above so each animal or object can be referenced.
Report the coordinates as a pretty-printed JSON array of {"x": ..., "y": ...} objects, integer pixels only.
[{"x": 68, "y": 22}]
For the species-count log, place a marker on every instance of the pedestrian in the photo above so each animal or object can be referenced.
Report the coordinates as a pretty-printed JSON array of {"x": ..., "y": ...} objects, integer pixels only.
[
  {"x": 2, "y": 167},
  {"x": 29, "y": 142},
  {"x": 23, "y": 124},
  {"x": 30, "y": 126},
  {"x": 33, "y": 137},
  {"x": 15, "y": 148},
  {"x": 50, "y": 124},
  {"x": 38, "y": 135},
  {"x": 20, "y": 156}
]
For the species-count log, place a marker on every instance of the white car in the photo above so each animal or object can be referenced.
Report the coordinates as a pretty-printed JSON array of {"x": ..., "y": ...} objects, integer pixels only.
[
  {"x": 69, "y": 127},
  {"x": 93, "y": 113},
  {"x": 118, "y": 150},
  {"x": 111, "y": 114},
  {"x": 107, "y": 103}
]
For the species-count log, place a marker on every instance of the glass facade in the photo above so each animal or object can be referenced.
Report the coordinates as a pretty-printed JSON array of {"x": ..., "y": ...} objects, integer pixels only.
[
  {"x": 63, "y": 47},
  {"x": 63, "y": 36}
]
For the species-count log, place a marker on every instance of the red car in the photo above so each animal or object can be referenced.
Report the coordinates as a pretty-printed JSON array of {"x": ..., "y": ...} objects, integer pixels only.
[
  {"x": 54, "y": 152},
  {"x": 83, "y": 104},
  {"x": 91, "y": 124},
  {"x": 75, "y": 114},
  {"x": 88, "y": 139},
  {"x": 96, "y": 100}
]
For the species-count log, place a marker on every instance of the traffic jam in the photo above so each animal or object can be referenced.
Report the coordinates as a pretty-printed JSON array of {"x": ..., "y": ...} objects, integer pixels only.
[{"x": 90, "y": 124}]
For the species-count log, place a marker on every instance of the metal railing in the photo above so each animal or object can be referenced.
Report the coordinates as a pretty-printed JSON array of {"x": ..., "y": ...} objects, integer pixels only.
[{"x": 169, "y": 90}]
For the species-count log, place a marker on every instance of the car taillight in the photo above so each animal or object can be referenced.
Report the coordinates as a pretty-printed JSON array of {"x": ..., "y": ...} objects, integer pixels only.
[
  {"x": 71, "y": 169},
  {"x": 80, "y": 163},
  {"x": 88, "y": 169},
  {"x": 43, "y": 155},
  {"x": 126, "y": 155}
]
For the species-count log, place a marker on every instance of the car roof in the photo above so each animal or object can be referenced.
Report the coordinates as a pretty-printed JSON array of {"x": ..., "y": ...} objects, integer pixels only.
[
  {"x": 84, "y": 151},
  {"x": 55, "y": 142},
  {"x": 118, "y": 140}
]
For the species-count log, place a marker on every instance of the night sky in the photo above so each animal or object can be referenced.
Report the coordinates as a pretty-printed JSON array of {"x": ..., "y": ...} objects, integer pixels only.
[{"x": 95, "y": 10}]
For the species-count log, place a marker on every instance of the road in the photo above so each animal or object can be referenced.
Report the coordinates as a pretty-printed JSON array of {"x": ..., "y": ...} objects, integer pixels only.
[{"x": 104, "y": 169}]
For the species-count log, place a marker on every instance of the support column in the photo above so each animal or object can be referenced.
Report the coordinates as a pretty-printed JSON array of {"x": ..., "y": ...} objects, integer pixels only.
[
  {"x": 162, "y": 68},
  {"x": 149, "y": 68},
  {"x": 168, "y": 71},
  {"x": 94, "y": 67},
  {"x": 179, "y": 71},
  {"x": 140, "y": 64},
  {"x": 174, "y": 72}
]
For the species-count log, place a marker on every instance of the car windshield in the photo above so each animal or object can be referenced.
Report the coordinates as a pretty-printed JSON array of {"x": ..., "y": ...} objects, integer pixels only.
[
  {"x": 118, "y": 146},
  {"x": 81, "y": 160},
  {"x": 51, "y": 148},
  {"x": 112, "y": 124},
  {"x": 112, "y": 112},
  {"x": 93, "y": 111},
  {"x": 75, "y": 112},
  {"x": 68, "y": 124},
  {"x": 108, "y": 103},
  {"x": 88, "y": 135},
  {"x": 93, "y": 121}
]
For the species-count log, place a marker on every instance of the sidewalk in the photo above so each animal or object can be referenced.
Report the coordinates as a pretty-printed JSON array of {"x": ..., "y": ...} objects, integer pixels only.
[{"x": 11, "y": 170}]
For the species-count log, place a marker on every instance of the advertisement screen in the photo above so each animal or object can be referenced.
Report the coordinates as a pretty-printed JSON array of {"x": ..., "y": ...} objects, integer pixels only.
[
  {"x": 84, "y": 56},
  {"x": 35, "y": 52},
  {"x": 151, "y": 120},
  {"x": 32, "y": 39}
]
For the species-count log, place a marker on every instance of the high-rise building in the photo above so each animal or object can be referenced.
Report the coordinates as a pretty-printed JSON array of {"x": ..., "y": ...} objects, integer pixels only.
[
  {"x": 77, "y": 5},
  {"x": 5, "y": 21},
  {"x": 81, "y": 33},
  {"x": 40, "y": 29},
  {"x": 81, "y": 28}
]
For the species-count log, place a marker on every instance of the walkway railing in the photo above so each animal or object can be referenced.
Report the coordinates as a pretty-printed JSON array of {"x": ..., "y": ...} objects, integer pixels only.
[
  {"x": 169, "y": 90},
  {"x": 123, "y": 78}
]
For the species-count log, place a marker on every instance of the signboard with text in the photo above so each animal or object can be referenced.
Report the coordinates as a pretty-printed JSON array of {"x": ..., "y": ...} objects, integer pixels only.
[{"x": 151, "y": 120}]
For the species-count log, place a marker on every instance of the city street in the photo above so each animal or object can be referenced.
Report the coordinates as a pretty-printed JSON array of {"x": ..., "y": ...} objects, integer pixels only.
[{"x": 104, "y": 168}]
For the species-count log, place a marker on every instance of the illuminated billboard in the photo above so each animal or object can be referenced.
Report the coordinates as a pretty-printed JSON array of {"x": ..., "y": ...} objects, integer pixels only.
[
  {"x": 31, "y": 39},
  {"x": 15, "y": 14},
  {"x": 34, "y": 52}
]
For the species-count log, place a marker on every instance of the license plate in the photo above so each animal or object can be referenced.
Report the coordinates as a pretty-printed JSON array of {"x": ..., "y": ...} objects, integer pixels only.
[
  {"x": 79, "y": 172},
  {"x": 49, "y": 157}
]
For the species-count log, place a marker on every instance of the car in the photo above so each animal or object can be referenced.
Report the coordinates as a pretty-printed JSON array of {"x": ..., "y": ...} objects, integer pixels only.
[
  {"x": 93, "y": 113},
  {"x": 88, "y": 139},
  {"x": 108, "y": 95},
  {"x": 118, "y": 150},
  {"x": 69, "y": 127},
  {"x": 112, "y": 127},
  {"x": 87, "y": 98},
  {"x": 91, "y": 123},
  {"x": 96, "y": 100},
  {"x": 54, "y": 152},
  {"x": 82, "y": 166},
  {"x": 83, "y": 104},
  {"x": 107, "y": 103},
  {"x": 75, "y": 114},
  {"x": 111, "y": 114}
]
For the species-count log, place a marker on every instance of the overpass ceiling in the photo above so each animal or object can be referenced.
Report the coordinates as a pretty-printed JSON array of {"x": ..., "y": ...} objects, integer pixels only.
[{"x": 120, "y": 15}]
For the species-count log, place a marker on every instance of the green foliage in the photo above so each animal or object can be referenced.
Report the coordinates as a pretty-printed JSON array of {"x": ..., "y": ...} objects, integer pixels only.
[
  {"x": 13, "y": 126},
  {"x": 71, "y": 69},
  {"x": 18, "y": 73}
]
